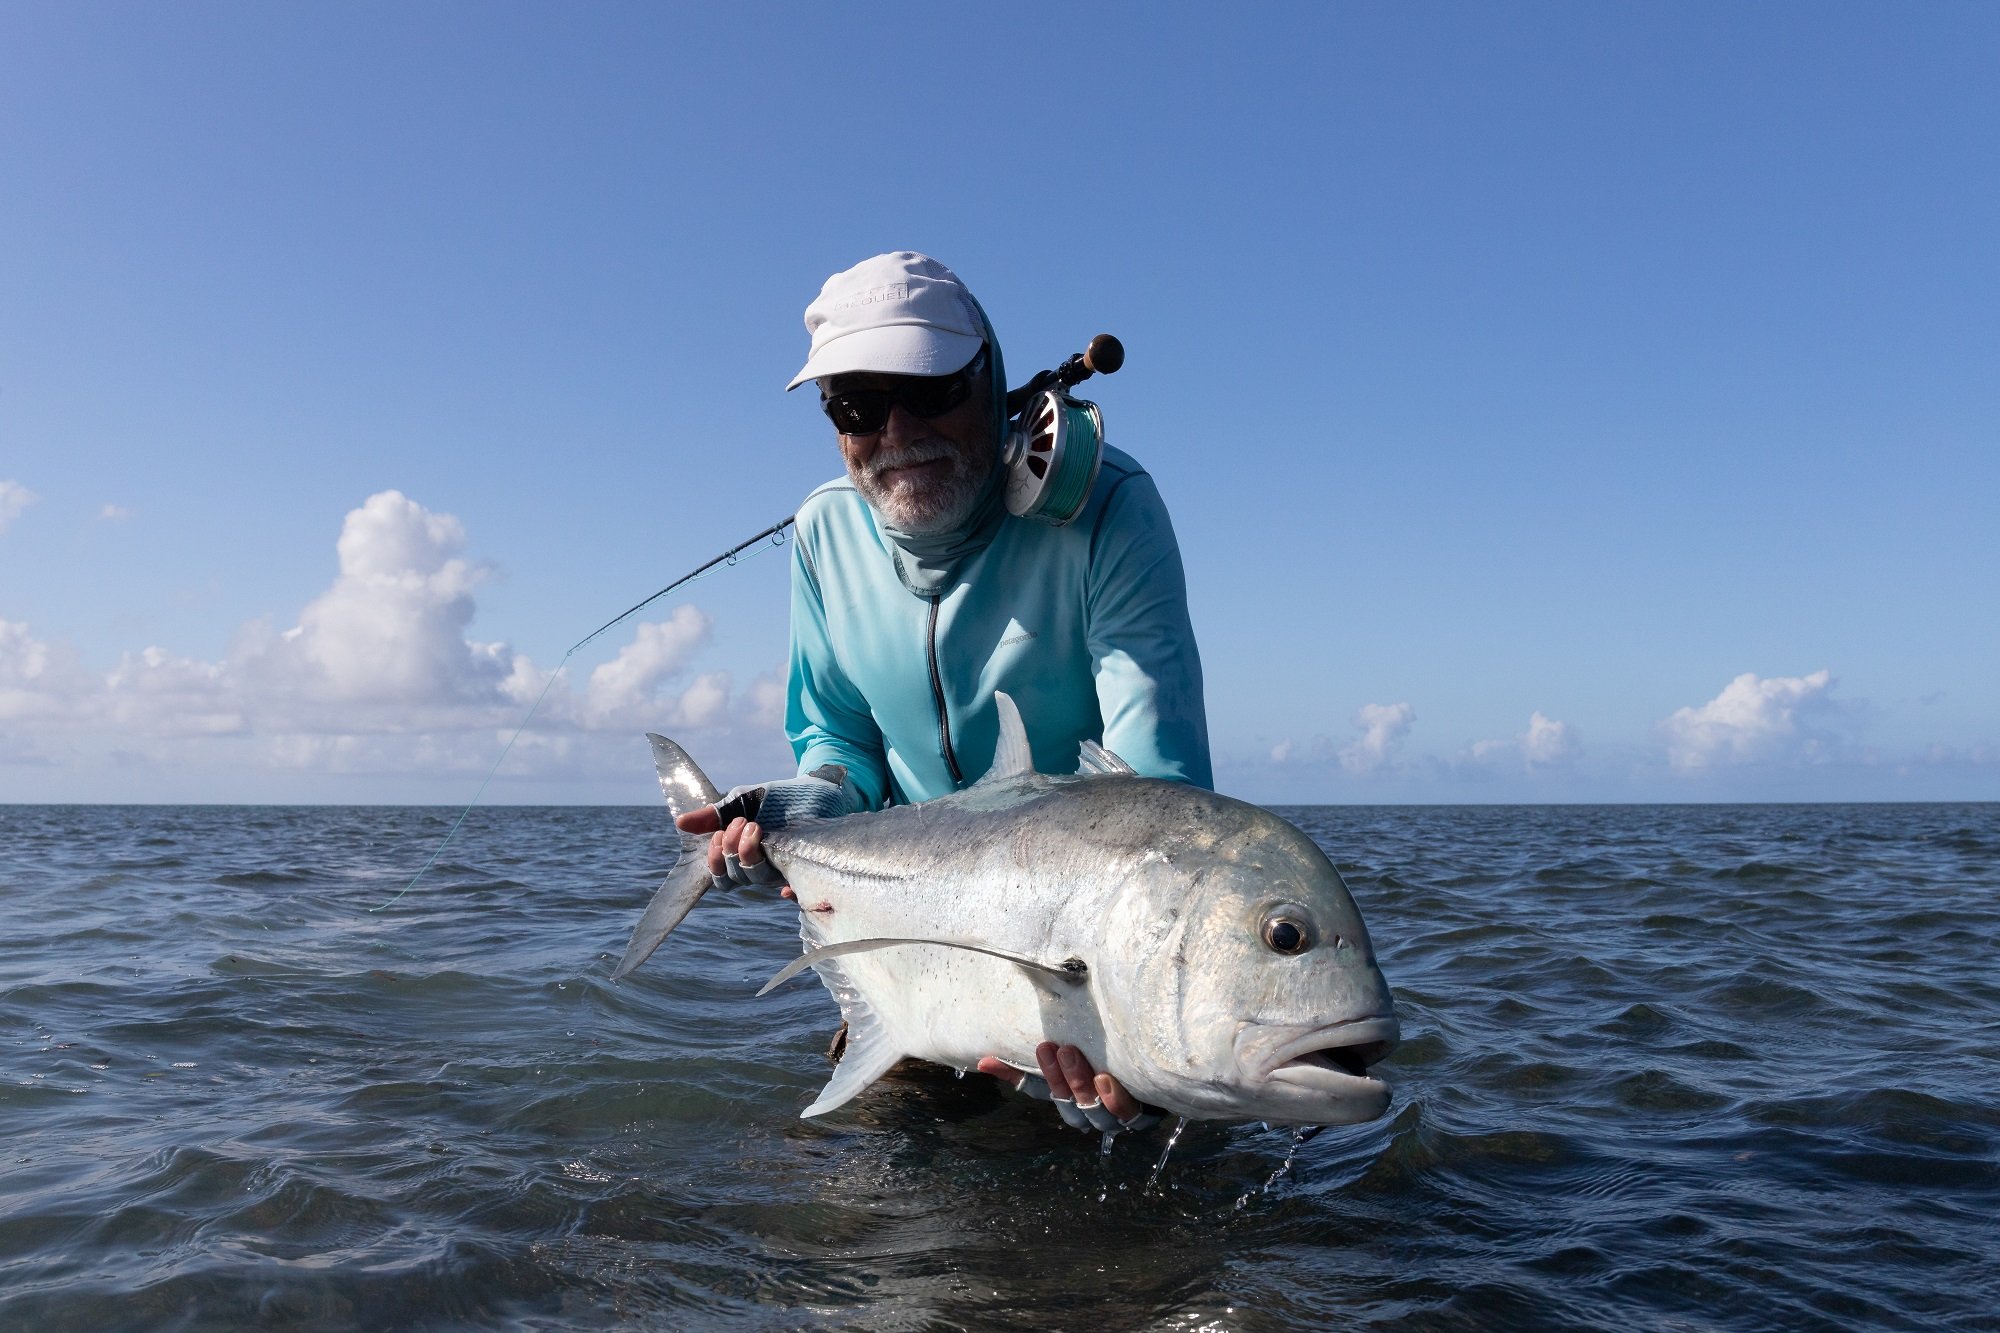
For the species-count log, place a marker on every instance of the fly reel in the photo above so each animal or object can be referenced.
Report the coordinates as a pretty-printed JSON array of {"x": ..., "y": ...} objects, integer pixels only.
[
  {"x": 1053, "y": 456},
  {"x": 1057, "y": 443}
]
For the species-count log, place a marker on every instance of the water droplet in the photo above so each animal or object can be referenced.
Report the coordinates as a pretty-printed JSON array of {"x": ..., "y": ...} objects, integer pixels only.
[{"x": 1173, "y": 1137}]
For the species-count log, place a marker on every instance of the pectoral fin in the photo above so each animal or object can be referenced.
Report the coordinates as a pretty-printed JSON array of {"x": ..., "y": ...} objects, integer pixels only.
[{"x": 1071, "y": 970}]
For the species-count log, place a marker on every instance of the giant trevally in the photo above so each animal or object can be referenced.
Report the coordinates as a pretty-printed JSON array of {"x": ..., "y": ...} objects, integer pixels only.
[{"x": 1202, "y": 949}]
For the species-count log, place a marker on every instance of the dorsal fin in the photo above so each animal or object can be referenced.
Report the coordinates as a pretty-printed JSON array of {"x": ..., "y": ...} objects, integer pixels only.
[
  {"x": 1094, "y": 759},
  {"x": 1011, "y": 756}
]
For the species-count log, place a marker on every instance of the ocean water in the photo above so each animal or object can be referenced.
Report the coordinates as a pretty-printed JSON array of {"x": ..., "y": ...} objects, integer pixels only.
[{"x": 1663, "y": 1067}]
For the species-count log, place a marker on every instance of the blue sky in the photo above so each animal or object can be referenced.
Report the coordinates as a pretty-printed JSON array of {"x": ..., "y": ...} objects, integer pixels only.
[{"x": 1555, "y": 402}]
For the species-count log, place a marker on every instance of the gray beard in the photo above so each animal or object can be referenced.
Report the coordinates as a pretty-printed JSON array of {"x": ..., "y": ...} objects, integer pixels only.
[{"x": 929, "y": 506}]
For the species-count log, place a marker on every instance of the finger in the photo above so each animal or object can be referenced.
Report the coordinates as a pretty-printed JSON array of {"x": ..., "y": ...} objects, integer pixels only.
[
  {"x": 704, "y": 820},
  {"x": 786, "y": 892},
  {"x": 1047, "y": 1056},
  {"x": 1052, "y": 1074},
  {"x": 1003, "y": 1071},
  {"x": 750, "y": 849},
  {"x": 1100, "y": 1119},
  {"x": 1116, "y": 1100},
  {"x": 718, "y": 864},
  {"x": 1082, "y": 1078},
  {"x": 1028, "y": 1085}
]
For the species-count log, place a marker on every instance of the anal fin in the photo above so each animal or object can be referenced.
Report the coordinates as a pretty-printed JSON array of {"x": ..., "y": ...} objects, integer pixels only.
[{"x": 870, "y": 1050}]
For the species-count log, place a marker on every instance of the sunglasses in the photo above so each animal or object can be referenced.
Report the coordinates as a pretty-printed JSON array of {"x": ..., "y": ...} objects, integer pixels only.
[{"x": 866, "y": 411}]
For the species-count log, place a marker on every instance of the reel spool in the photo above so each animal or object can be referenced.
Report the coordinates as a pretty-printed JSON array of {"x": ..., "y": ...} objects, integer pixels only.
[
  {"x": 1053, "y": 456},
  {"x": 1057, "y": 443}
]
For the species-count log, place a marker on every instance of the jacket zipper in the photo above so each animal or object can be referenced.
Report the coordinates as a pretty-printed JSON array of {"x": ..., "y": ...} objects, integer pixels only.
[{"x": 937, "y": 697}]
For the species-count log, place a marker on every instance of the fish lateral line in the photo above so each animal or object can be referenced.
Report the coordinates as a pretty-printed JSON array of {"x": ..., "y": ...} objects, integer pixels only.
[{"x": 1073, "y": 971}]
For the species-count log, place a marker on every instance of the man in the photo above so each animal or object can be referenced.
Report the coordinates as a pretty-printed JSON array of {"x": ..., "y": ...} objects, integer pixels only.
[{"x": 916, "y": 597}]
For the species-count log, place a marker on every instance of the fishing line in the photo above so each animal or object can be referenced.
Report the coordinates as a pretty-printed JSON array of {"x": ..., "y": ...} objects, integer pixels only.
[{"x": 773, "y": 536}]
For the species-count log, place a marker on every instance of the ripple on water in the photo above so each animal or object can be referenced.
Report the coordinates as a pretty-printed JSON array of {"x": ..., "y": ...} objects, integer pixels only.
[
  {"x": 1657, "y": 1092},
  {"x": 126, "y": 864},
  {"x": 257, "y": 879},
  {"x": 1754, "y": 997},
  {"x": 1649, "y": 1081},
  {"x": 1967, "y": 1129},
  {"x": 1508, "y": 1070},
  {"x": 1640, "y": 1022}
]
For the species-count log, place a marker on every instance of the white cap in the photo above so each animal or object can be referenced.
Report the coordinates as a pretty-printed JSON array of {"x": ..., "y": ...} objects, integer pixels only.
[{"x": 895, "y": 314}]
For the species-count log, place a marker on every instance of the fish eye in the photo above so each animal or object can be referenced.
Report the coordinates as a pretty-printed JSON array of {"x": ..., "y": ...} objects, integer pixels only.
[{"x": 1287, "y": 936}]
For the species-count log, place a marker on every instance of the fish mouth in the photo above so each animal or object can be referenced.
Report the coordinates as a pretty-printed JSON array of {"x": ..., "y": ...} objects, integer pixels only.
[{"x": 1334, "y": 1058}]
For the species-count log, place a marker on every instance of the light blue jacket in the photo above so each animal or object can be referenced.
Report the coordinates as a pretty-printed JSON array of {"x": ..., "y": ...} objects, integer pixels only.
[{"x": 1085, "y": 626}]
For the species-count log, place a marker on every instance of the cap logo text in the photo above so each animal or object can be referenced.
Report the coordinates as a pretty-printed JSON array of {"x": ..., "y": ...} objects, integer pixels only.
[{"x": 894, "y": 291}]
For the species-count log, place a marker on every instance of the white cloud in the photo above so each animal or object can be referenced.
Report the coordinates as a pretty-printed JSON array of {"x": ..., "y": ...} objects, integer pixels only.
[
  {"x": 767, "y": 702},
  {"x": 629, "y": 681},
  {"x": 378, "y": 676},
  {"x": 14, "y": 497},
  {"x": 706, "y": 702},
  {"x": 1754, "y": 720},
  {"x": 23, "y": 658},
  {"x": 1978, "y": 754},
  {"x": 113, "y": 513},
  {"x": 161, "y": 695},
  {"x": 39, "y": 681},
  {"x": 45, "y": 695},
  {"x": 1383, "y": 727},
  {"x": 391, "y": 629},
  {"x": 1546, "y": 743}
]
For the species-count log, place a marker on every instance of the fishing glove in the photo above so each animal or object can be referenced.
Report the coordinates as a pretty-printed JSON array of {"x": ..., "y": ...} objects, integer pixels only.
[
  {"x": 819, "y": 794},
  {"x": 1093, "y": 1116}
]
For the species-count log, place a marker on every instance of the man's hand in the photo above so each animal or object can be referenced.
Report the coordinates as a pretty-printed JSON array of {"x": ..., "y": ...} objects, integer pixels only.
[
  {"x": 736, "y": 852},
  {"x": 1085, "y": 1098}
]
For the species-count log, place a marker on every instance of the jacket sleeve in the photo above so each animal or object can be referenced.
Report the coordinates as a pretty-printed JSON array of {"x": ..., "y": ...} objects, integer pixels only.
[
  {"x": 826, "y": 719},
  {"x": 1143, "y": 655}
]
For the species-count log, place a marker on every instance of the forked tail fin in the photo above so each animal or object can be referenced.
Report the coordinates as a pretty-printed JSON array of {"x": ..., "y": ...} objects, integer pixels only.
[{"x": 686, "y": 788}]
